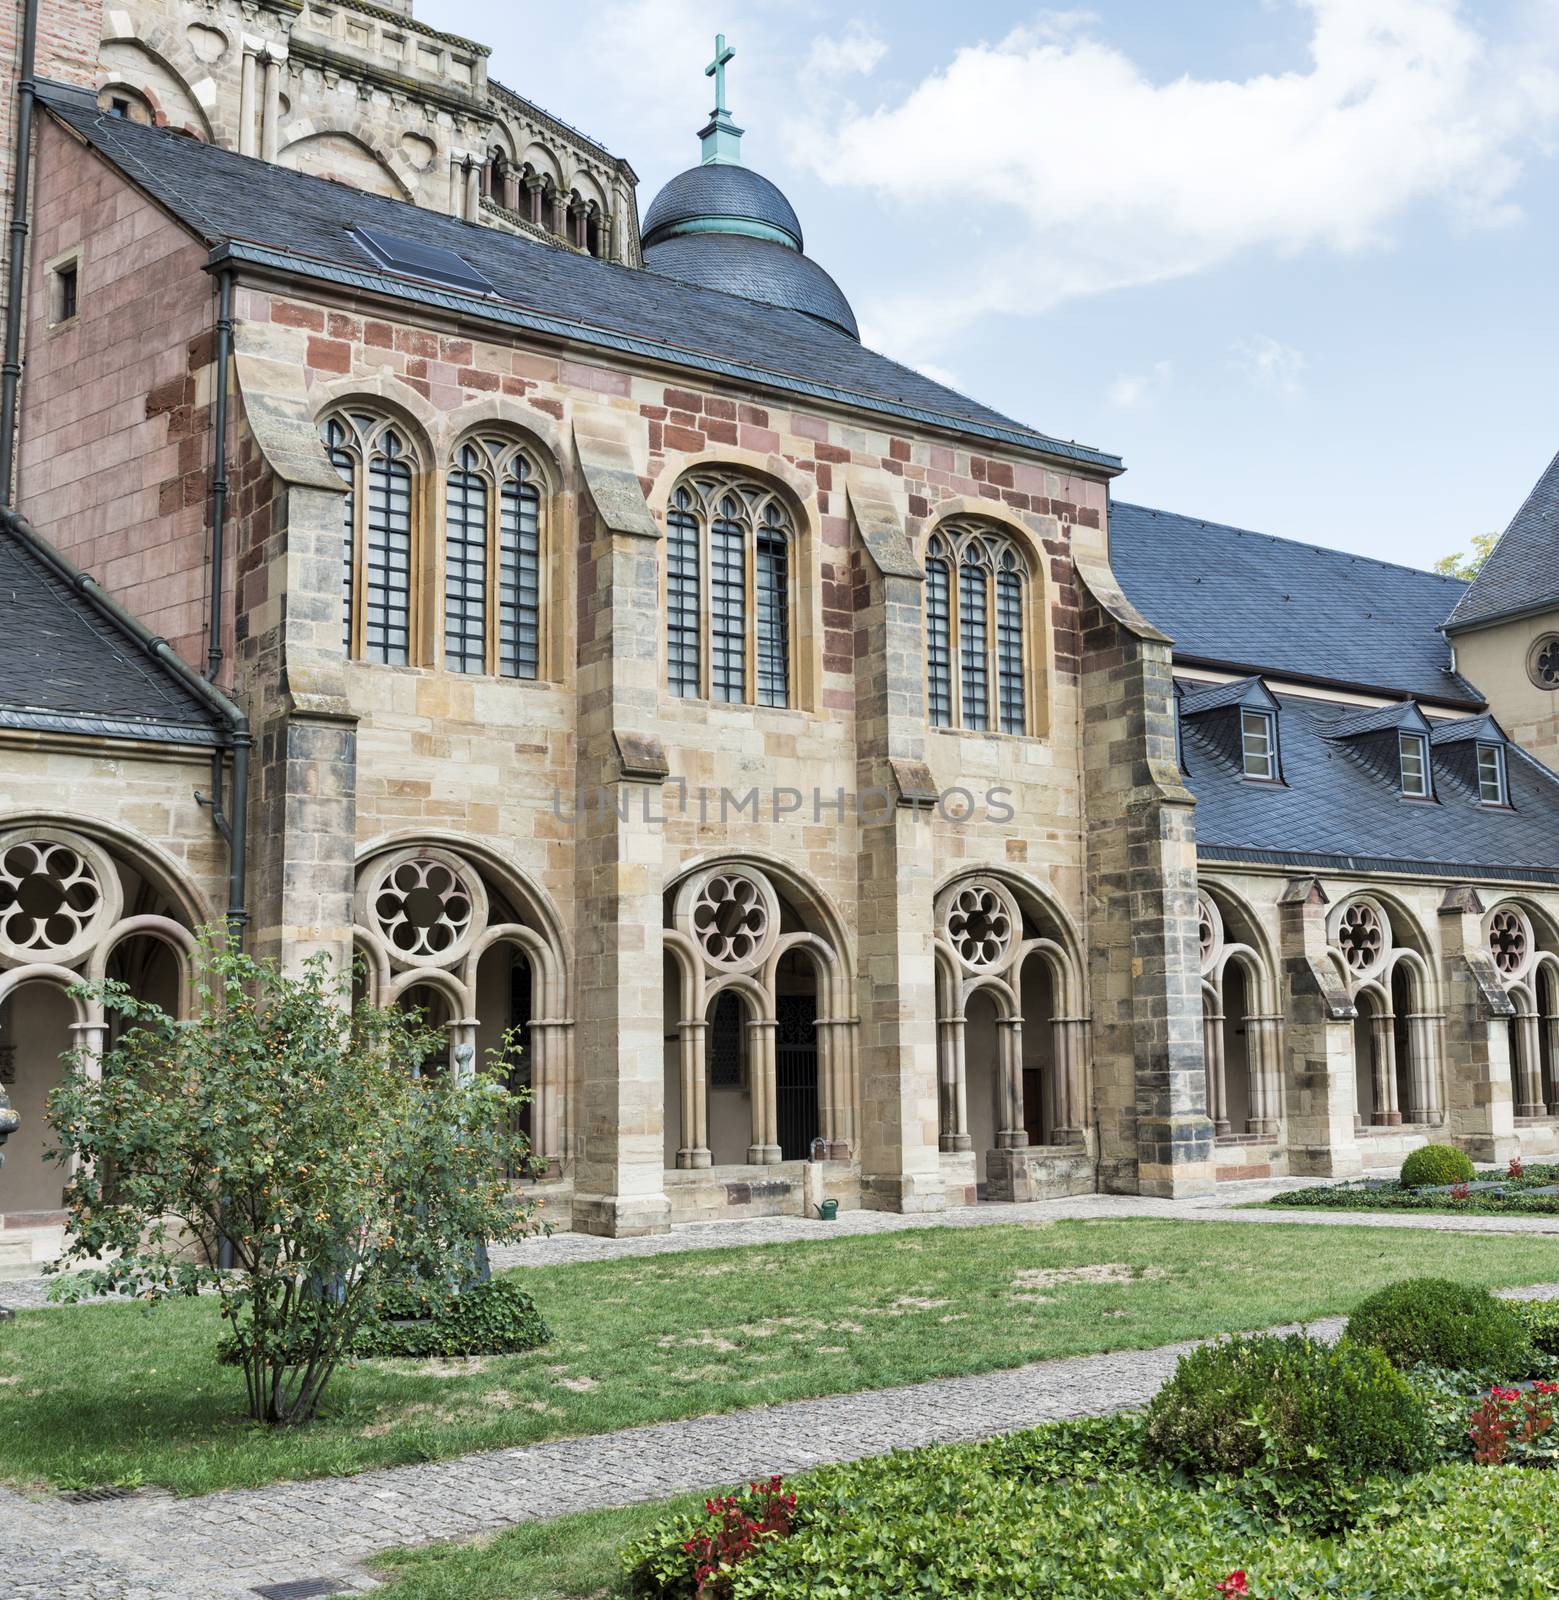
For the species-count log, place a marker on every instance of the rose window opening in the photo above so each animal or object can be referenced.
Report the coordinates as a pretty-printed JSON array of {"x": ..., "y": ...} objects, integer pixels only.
[
  {"x": 1362, "y": 938},
  {"x": 423, "y": 908},
  {"x": 980, "y": 926},
  {"x": 1509, "y": 942},
  {"x": 51, "y": 897},
  {"x": 1209, "y": 931},
  {"x": 1545, "y": 662},
  {"x": 731, "y": 919}
]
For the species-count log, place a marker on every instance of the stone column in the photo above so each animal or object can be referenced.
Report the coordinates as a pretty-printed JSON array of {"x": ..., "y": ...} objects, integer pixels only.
[
  {"x": 1480, "y": 1103},
  {"x": 1264, "y": 1036},
  {"x": 955, "y": 1089},
  {"x": 692, "y": 1039},
  {"x": 560, "y": 213},
  {"x": 1553, "y": 1063},
  {"x": 270, "y": 124},
  {"x": 248, "y": 132},
  {"x": 1422, "y": 1029},
  {"x": 1011, "y": 1135},
  {"x": 619, "y": 1185},
  {"x": 896, "y": 875},
  {"x": 473, "y": 190},
  {"x": 1383, "y": 1062},
  {"x": 1217, "y": 1070},
  {"x": 1150, "y": 1085},
  {"x": 1319, "y": 1094},
  {"x": 764, "y": 1149},
  {"x": 1529, "y": 1063}
]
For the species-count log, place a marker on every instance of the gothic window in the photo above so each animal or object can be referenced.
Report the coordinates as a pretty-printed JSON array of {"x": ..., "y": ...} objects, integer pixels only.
[
  {"x": 1259, "y": 745},
  {"x": 728, "y": 539},
  {"x": 1491, "y": 775},
  {"x": 975, "y": 631},
  {"x": 492, "y": 560},
  {"x": 1543, "y": 662},
  {"x": 1413, "y": 753},
  {"x": 378, "y": 533}
]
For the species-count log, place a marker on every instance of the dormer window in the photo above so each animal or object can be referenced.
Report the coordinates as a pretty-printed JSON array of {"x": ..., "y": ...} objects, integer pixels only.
[
  {"x": 1413, "y": 751},
  {"x": 1492, "y": 789},
  {"x": 1259, "y": 745}
]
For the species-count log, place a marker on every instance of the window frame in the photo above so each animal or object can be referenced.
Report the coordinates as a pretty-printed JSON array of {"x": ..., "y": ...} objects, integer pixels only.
[
  {"x": 762, "y": 511},
  {"x": 365, "y": 429},
  {"x": 502, "y": 459},
  {"x": 1488, "y": 747},
  {"x": 1269, "y": 727},
  {"x": 959, "y": 547},
  {"x": 1408, "y": 740}
]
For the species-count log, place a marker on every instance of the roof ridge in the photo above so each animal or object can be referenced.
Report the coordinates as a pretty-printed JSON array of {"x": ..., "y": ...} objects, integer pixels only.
[{"x": 1298, "y": 544}]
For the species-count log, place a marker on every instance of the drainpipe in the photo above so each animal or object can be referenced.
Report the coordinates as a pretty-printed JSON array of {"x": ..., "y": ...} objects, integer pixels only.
[
  {"x": 236, "y": 736},
  {"x": 11, "y": 371},
  {"x": 219, "y": 471}
]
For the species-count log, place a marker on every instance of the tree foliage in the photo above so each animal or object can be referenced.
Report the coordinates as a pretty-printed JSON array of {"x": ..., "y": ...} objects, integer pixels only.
[
  {"x": 1467, "y": 564},
  {"x": 301, "y": 1131}
]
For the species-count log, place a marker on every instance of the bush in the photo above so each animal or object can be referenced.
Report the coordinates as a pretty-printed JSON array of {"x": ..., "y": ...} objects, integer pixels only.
[
  {"x": 1539, "y": 1320},
  {"x": 1303, "y": 1424},
  {"x": 497, "y": 1318},
  {"x": 1435, "y": 1164},
  {"x": 1087, "y": 1450},
  {"x": 1438, "y": 1323}
]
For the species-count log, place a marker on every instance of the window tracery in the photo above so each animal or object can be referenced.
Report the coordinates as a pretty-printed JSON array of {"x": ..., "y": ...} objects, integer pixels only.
[{"x": 976, "y": 675}]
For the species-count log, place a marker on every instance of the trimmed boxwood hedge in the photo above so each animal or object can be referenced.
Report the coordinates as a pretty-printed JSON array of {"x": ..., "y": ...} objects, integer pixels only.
[
  {"x": 1436, "y": 1163},
  {"x": 1434, "y": 1322}
]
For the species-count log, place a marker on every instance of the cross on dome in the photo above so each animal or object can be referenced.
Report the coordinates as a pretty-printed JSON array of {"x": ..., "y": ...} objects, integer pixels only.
[{"x": 716, "y": 70}]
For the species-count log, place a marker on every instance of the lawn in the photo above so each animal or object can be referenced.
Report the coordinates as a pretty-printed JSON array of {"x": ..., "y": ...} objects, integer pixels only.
[{"x": 118, "y": 1394}]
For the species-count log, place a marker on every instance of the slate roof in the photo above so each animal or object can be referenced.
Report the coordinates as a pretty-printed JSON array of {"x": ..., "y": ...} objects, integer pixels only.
[
  {"x": 1334, "y": 812},
  {"x": 1249, "y": 602},
  {"x": 66, "y": 666},
  {"x": 721, "y": 189},
  {"x": 1521, "y": 573},
  {"x": 757, "y": 269},
  {"x": 299, "y": 223}
]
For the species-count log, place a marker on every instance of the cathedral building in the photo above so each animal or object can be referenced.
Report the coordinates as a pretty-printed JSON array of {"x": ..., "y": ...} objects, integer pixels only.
[{"x": 846, "y": 792}]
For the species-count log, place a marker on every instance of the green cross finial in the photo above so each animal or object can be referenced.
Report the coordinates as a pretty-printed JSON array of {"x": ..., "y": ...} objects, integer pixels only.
[{"x": 716, "y": 70}]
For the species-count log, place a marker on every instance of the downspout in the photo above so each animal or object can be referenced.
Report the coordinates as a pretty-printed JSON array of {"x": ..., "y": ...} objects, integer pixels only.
[
  {"x": 236, "y": 735},
  {"x": 11, "y": 371},
  {"x": 224, "y": 348}
]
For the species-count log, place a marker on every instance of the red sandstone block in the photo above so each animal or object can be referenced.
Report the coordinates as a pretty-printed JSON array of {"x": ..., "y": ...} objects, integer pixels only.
[
  {"x": 457, "y": 352},
  {"x": 379, "y": 334},
  {"x": 725, "y": 410},
  {"x": 553, "y": 408},
  {"x": 898, "y": 449},
  {"x": 542, "y": 368},
  {"x": 600, "y": 379},
  {"x": 754, "y": 415},
  {"x": 291, "y": 315},
  {"x": 683, "y": 438},
  {"x": 684, "y": 400},
  {"x": 683, "y": 419},
  {"x": 720, "y": 432},
  {"x": 329, "y": 355},
  {"x": 753, "y": 437},
  {"x": 653, "y": 413},
  {"x": 341, "y": 326},
  {"x": 832, "y": 452},
  {"x": 808, "y": 427},
  {"x": 417, "y": 343}
]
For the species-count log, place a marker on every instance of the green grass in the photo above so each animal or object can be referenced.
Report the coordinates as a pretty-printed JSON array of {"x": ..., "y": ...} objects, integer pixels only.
[
  {"x": 569, "y": 1558},
  {"x": 118, "y": 1394}
]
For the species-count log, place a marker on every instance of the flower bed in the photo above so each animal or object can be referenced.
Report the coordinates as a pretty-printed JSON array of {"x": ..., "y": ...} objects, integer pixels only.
[
  {"x": 1514, "y": 1194},
  {"x": 1105, "y": 1509}
]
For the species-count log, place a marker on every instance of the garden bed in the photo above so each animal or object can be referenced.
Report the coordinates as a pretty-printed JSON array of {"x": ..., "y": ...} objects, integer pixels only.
[{"x": 1491, "y": 1193}]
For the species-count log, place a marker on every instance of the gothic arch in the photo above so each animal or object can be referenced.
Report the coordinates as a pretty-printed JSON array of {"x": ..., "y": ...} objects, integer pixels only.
[
  {"x": 390, "y": 397},
  {"x": 500, "y": 414},
  {"x": 308, "y": 148},
  {"x": 159, "y": 65}
]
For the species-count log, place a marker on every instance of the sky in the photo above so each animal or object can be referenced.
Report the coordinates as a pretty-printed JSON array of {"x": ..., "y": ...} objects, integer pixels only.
[{"x": 1293, "y": 260}]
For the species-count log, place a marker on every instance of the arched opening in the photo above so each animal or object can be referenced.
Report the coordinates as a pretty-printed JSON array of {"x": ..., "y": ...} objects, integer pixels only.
[
  {"x": 1405, "y": 1063},
  {"x": 505, "y": 986},
  {"x": 1374, "y": 1064},
  {"x": 1237, "y": 1055},
  {"x": 1044, "y": 1110},
  {"x": 797, "y": 1109},
  {"x": 1548, "y": 1032},
  {"x": 36, "y": 1021},
  {"x": 729, "y": 1072},
  {"x": 430, "y": 1003}
]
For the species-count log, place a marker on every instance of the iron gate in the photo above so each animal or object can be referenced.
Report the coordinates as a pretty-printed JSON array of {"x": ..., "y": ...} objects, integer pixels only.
[{"x": 795, "y": 1074}]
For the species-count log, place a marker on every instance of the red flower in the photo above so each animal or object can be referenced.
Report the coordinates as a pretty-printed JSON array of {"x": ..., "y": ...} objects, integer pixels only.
[
  {"x": 1515, "y": 1169},
  {"x": 1234, "y": 1584}
]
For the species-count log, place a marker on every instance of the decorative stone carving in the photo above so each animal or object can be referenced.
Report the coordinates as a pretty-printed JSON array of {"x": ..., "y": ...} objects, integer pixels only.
[
  {"x": 732, "y": 914},
  {"x": 1209, "y": 932},
  {"x": 982, "y": 923},
  {"x": 59, "y": 894},
  {"x": 1543, "y": 661},
  {"x": 1510, "y": 941},
  {"x": 426, "y": 905},
  {"x": 1362, "y": 935}
]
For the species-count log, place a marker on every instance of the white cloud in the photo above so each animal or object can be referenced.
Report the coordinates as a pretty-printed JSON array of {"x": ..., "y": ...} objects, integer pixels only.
[
  {"x": 1103, "y": 179},
  {"x": 1133, "y": 389},
  {"x": 856, "y": 50},
  {"x": 1269, "y": 363}
]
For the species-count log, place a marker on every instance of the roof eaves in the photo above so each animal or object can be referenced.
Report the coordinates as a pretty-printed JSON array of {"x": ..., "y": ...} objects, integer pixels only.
[
  {"x": 27, "y": 719},
  {"x": 1488, "y": 619},
  {"x": 510, "y": 315},
  {"x": 1280, "y": 675},
  {"x": 1234, "y": 855}
]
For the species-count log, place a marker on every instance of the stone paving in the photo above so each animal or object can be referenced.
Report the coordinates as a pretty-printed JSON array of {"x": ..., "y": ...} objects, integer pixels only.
[{"x": 154, "y": 1547}]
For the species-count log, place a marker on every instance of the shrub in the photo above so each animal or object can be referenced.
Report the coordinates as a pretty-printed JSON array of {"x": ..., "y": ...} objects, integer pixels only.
[
  {"x": 1436, "y": 1164},
  {"x": 298, "y": 1129},
  {"x": 1539, "y": 1319},
  {"x": 1087, "y": 1450},
  {"x": 1303, "y": 1424},
  {"x": 695, "y": 1557},
  {"x": 1514, "y": 1425},
  {"x": 1442, "y": 1324},
  {"x": 496, "y": 1318}
]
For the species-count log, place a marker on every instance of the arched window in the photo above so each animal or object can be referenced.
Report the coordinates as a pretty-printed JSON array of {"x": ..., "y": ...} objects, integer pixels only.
[
  {"x": 976, "y": 602},
  {"x": 492, "y": 560},
  {"x": 728, "y": 539},
  {"x": 378, "y": 530}
]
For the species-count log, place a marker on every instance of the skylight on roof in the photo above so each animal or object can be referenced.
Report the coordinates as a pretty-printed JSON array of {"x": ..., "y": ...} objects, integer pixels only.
[{"x": 425, "y": 261}]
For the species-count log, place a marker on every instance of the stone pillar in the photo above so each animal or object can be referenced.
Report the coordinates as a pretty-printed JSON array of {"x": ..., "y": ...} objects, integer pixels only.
[
  {"x": 1480, "y": 1102},
  {"x": 1011, "y": 1135},
  {"x": 1264, "y": 1036},
  {"x": 560, "y": 213},
  {"x": 955, "y": 1085},
  {"x": 692, "y": 1038},
  {"x": 900, "y": 1125},
  {"x": 1319, "y": 1091},
  {"x": 1529, "y": 1066},
  {"x": 1383, "y": 1062},
  {"x": 549, "y": 1055},
  {"x": 1553, "y": 1062},
  {"x": 248, "y": 131},
  {"x": 619, "y": 1180},
  {"x": 270, "y": 121},
  {"x": 1423, "y": 1030},
  {"x": 1150, "y": 1085},
  {"x": 764, "y": 1149},
  {"x": 1217, "y": 1071}
]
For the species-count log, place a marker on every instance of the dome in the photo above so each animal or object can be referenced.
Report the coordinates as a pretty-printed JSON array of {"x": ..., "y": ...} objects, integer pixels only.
[
  {"x": 724, "y": 198},
  {"x": 756, "y": 269}
]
